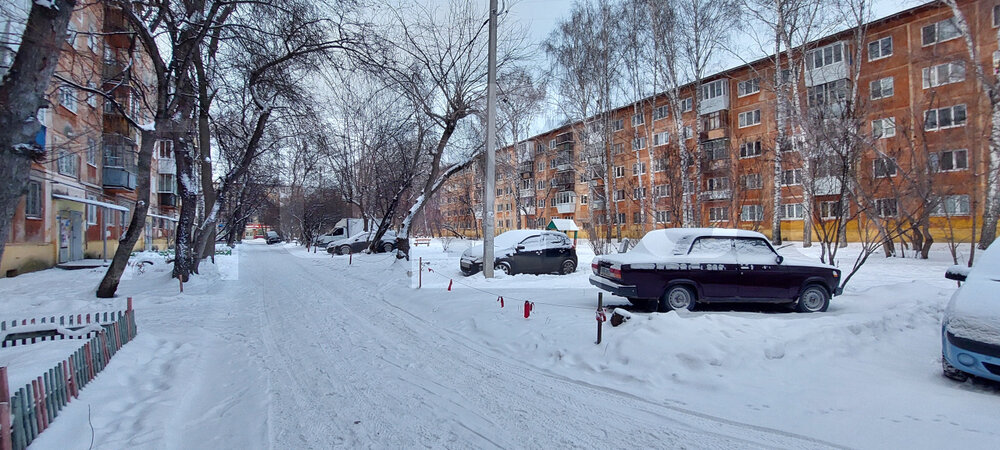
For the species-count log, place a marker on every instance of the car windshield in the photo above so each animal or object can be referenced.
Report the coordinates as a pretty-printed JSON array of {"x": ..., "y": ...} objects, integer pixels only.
[{"x": 512, "y": 238}]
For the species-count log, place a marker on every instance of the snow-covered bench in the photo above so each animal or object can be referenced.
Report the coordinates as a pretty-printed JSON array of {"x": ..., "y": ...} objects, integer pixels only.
[{"x": 422, "y": 241}]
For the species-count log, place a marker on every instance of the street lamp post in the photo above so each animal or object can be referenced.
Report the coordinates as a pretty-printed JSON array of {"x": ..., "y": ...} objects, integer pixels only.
[{"x": 489, "y": 197}]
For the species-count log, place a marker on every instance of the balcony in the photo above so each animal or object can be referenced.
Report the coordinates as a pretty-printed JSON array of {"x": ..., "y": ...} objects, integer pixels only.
[
  {"x": 710, "y": 165},
  {"x": 116, "y": 27},
  {"x": 566, "y": 208},
  {"x": 597, "y": 205},
  {"x": 722, "y": 194},
  {"x": 166, "y": 166},
  {"x": 115, "y": 71},
  {"x": 167, "y": 199},
  {"x": 716, "y": 126},
  {"x": 119, "y": 162},
  {"x": 119, "y": 178},
  {"x": 526, "y": 168},
  {"x": 564, "y": 181},
  {"x": 529, "y": 210},
  {"x": 832, "y": 69},
  {"x": 827, "y": 186},
  {"x": 564, "y": 164},
  {"x": 527, "y": 193}
]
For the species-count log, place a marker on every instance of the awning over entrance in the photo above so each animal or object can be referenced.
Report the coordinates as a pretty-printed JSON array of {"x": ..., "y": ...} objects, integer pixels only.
[
  {"x": 157, "y": 216},
  {"x": 91, "y": 202}
]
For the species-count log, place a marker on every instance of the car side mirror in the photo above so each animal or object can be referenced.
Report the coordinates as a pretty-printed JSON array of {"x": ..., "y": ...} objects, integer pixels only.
[
  {"x": 519, "y": 248},
  {"x": 957, "y": 273},
  {"x": 779, "y": 259}
]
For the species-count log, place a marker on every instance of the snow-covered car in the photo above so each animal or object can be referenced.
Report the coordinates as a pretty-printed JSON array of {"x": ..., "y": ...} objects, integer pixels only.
[
  {"x": 679, "y": 267},
  {"x": 525, "y": 251},
  {"x": 970, "y": 329},
  {"x": 273, "y": 237},
  {"x": 359, "y": 242}
]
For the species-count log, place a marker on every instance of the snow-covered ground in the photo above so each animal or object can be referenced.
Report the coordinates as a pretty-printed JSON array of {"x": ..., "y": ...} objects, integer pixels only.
[{"x": 275, "y": 347}]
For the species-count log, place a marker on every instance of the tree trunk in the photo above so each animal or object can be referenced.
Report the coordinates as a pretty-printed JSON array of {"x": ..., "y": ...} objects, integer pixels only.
[
  {"x": 184, "y": 253},
  {"x": 22, "y": 93}
]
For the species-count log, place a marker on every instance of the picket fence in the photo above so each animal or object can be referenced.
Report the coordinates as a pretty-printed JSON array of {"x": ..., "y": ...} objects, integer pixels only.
[{"x": 33, "y": 407}]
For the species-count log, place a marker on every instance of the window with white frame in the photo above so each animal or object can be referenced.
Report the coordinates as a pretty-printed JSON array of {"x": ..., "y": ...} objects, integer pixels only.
[
  {"x": 552, "y": 144},
  {"x": 752, "y": 213},
  {"x": 718, "y": 213},
  {"x": 996, "y": 16},
  {"x": 566, "y": 197},
  {"x": 715, "y": 149},
  {"x": 886, "y": 207},
  {"x": 944, "y": 30},
  {"x": 617, "y": 124},
  {"x": 884, "y": 167},
  {"x": 949, "y": 160},
  {"x": 639, "y": 168},
  {"x": 825, "y": 56},
  {"x": 712, "y": 121},
  {"x": 829, "y": 209},
  {"x": 620, "y": 195},
  {"x": 638, "y": 119},
  {"x": 952, "y": 205},
  {"x": 67, "y": 163},
  {"x": 661, "y": 112},
  {"x": 880, "y": 48},
  {"x": 638, "y": 193},
  {"x": 617, "y": 149},
  {"x": 662, "y": 216},
  {"x": 687, "y": 104},
  {"x": 881, "y": 88},
  {"x": 791, "y": 211},
  {"x": 687, "y": 133},
  {"x": 583, "y": 199},
  {"x": 749, "y": 118},
  {"x": 541, "y": 185},
  {"x": 750, "y": 149},
  {"x": 67, "y": 98},
  {"x": 92, "y": 97},
  {"x": 662, "y": 138},
  {"x": 619, "y": 171},
  {"x": 713, "y": 89},
  {"x": 884, "y": 128},
  {"x": 751, "y": 181},
  {"x": 637, "y": 217},
  {"x": 942, "y": 74},
  {"x": 552, "y": 163},
  {"x": 717, "y": 184},
  {"x": 659, "y": 164},
  {"x": 747, "y": 87},
  {"x": 639, "y": 143},
  {"x": 92, "y": 151},
  {"x": 71, "y": 35},
  {"x": 164, "y": 149},
  {"x": 791, "y": 177},
  {"x": 620, "y": 218},
  {"x": 541, "y": 203},
  {"x": 947, "y": 117},
  {"x": 827, "y": 93},
  {"x": 91, "y": 211},
  {"x": 661, "y": 190},
  {"x": 33, "y": 200}
]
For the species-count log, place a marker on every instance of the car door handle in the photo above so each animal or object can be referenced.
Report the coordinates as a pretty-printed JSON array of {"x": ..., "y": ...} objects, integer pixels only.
[{"x": 745, "y": 267}]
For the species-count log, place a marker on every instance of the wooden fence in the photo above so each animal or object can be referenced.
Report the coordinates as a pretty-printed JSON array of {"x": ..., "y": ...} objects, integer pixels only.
[{"x": 33, "y": 407}]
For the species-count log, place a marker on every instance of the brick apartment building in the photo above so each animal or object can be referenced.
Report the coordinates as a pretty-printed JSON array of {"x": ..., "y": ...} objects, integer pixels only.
[
  {"x": 922, "y": 111},
  {"x": 80, "y": 197}
]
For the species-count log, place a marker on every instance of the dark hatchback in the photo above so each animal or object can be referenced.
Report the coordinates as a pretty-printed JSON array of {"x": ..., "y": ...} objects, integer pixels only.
[
  {"x": 525, "y": 251},
  {"x": 680, "y": 267}
]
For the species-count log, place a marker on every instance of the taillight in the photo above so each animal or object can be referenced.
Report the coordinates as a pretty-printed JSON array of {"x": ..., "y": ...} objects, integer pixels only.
[
  {"x": 596, "y": 268},
  {"x": 616, "y": 271}
]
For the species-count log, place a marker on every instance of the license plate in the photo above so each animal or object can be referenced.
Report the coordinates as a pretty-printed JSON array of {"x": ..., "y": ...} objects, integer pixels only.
[
  {"x": 466, "y": 264},
  {"x": 605, "y": 272}
]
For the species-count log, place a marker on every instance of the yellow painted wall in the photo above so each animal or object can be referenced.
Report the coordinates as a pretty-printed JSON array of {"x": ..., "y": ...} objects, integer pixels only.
[{"x": 27, "y": 257}]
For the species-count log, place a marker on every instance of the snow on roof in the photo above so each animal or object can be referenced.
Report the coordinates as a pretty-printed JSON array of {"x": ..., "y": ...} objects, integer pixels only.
[
  {"x": 91, "y": 202},
  {"x": 663, "y": 242},
  {"x": 563, "y": 225}
]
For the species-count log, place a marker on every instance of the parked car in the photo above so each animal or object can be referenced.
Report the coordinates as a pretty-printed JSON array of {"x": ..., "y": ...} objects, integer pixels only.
[
  {"x": 360, "y": 241},
  {"x": 525, "y": 251},
  {"x": 273, "y": 238},
  {"x": 970, "y": 329},
  {"x": 680, "y": 267}
]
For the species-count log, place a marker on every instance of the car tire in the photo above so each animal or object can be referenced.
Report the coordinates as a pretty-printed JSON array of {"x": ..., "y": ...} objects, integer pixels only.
[
  {"x": 387, "y": 247},
  {"x": 677, "y": 297},
  {"x": 950, "y": 371},
  {"x": 567, "y": 267},
  {"x": 344, "y": 249},
  {"x": 814, "y": 298},
  {"x": 505, "y": 268}
]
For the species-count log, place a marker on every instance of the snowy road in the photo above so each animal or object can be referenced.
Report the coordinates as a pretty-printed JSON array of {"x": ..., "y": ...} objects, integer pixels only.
[{"x": 370, "y": 373}]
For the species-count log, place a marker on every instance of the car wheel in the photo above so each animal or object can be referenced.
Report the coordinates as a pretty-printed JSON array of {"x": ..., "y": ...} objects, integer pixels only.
[
  {"x": 386, "y": 247},
  {"x": 677, "y": 297},
  {"x": 505, "y": 268},
  {"x": 951, "y": 372},
  {"x": 813, "y": 299},
  {"x": 567, "y": 267},
  {"x": 344, "y": 249}
]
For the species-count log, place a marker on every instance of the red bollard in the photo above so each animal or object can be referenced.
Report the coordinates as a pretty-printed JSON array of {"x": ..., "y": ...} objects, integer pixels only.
[
  {"x": 528, "y": 306},
  {"x": 500, "y": 299},
  {"x": 449, "y": 284},
  {"x": 420, "y": 272}
]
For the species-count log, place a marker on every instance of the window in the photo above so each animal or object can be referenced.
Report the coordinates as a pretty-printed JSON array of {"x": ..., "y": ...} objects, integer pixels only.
[
  {"x": 939, "y": 32},
  {"x": 565, "y": 197},
  {"x": 662, "y": 216},
  {"x": 92, "y": 97},
  {"x": 541, "y": 203},
  {"x": 791, "y": 211},
  {"x": 583, "y": 199},
  {"x": 166, "y": 183},
  {"x": 886, "y": 207},
  {"x": 751, "y": 181},
  {"x": 71, "y": 35},
  {"x": 638, "y": 119},
  {"x": 942, "y": 74},
  {"x": 33, "y": 200},
  {"x": 712, "y": 121},
  {"x": 749, "y": 118},
  {"x": 880, "y": 48},
  {"x": 829, "y": 210},
  {"x": 67, "y": 163},
  {"x": 639, "y": 168},
  {"x": 661, "y": 139},
  {"x": 661, "y": 112},
  {"x": 620, "y": 195},
  {"x": 661, "y": 190},
  {"x": 791, "y": 177},
  {"x": 940, "y": 118},
  {"x": 91, "y": 211},
  {"x": 540, "y": 185},
  {"x": 751, "y": 86},
  {"x": 67, "y": 98},
  {"x": 687, "y": 133},
  {"x": 552, "y": 163},
  {"x": 636, "y": 217},
  {"x": 827, "y": 93},
  {"x": 881, "y": 88},
  {"x": 687, "y": 104},
  {"x": 996, "y": 16},
  {"x": 717, "y": 184},
  {"x": 638, "y": 193},
  {"x": 952, "y": 205},
  {"x": 91, "y": 151},
  {"x": 165, "y": 149},
  {"x": 659, "y": 164},
  {"x": 552, "y": 144},
  {"x": 617, "y": 149},
  {"x": 618, "y": 125},
  {"x": 752, "y": 213},
  {"x": 884, "y": 128},
  {"x": 639, "y": 143},
  {"x": 92, "y": 42},
  {"x": 718, "y": 213},
  {"x": 619, "y": 171},
  {"x": 713, "y": 89},
  {"x": 949, "y": 160},
  {"x": 715, "y": 149},
  {"x": 825, "y": 56},
  {"x": 884, "y": 167},
  {"x": 750, "y": 149}
]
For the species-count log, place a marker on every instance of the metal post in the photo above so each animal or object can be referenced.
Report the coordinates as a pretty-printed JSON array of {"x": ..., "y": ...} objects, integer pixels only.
[
  {"x": 600, "y": 305},
  {"x": 489, "y": 199},
  {"x": 104, "y": 233},
  {"x": 420, "y": 273}
]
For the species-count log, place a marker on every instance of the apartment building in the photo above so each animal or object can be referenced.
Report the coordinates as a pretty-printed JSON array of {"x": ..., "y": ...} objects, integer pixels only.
[
  {"x": 81, "y": 195},
  {"x": 908, "y": 82}
]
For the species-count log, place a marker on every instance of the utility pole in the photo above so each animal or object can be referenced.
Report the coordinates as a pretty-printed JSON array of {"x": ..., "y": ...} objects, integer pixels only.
[{"x": 489, "y": 197}]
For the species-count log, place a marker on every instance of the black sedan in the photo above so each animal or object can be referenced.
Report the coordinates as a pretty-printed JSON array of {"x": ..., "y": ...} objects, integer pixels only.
[
  {"x": 525, "y": 251},
  {"x": 361, "y": 241},
  {"x": 680, "y": 267}
]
